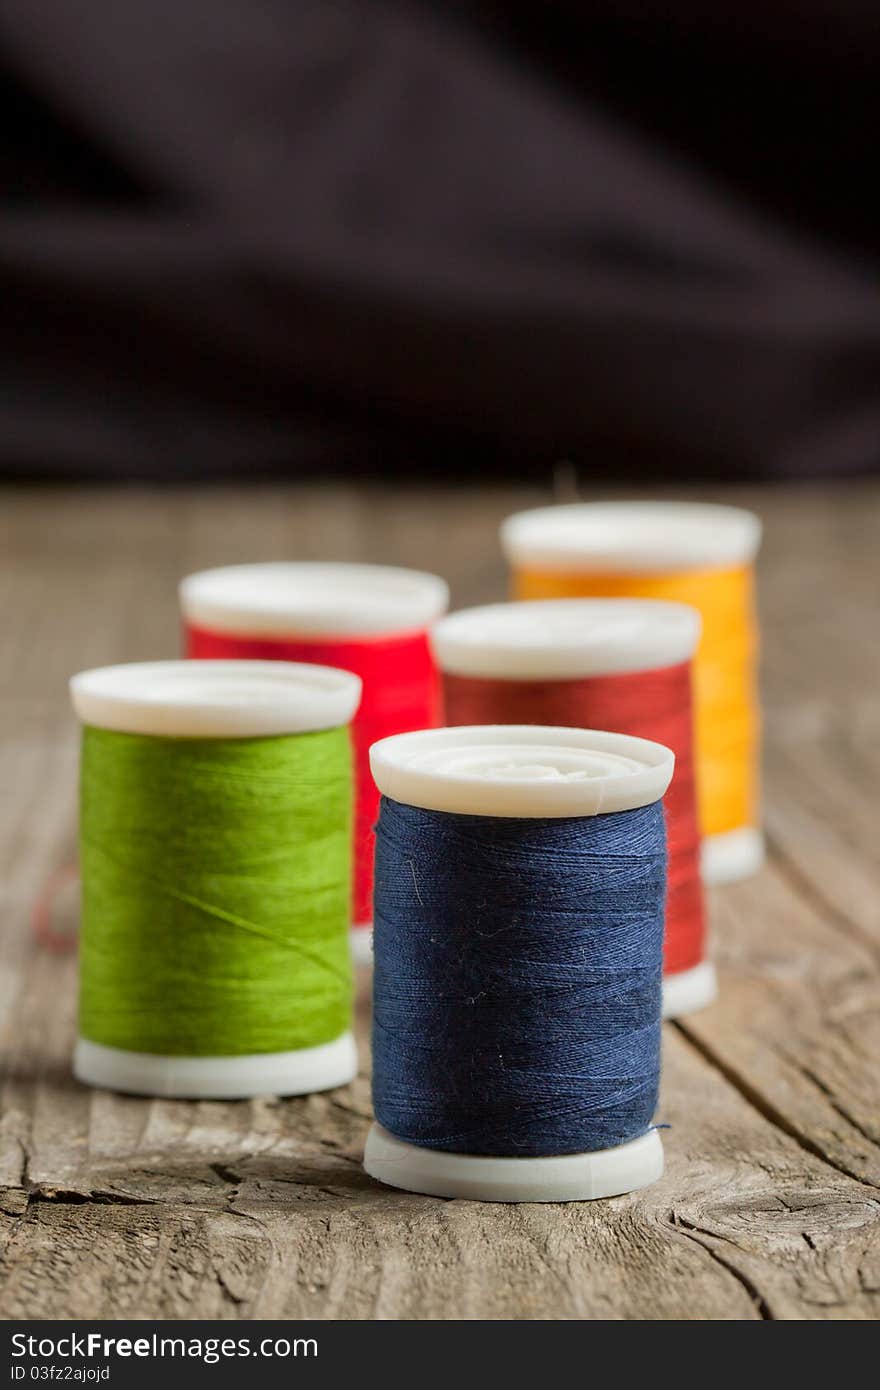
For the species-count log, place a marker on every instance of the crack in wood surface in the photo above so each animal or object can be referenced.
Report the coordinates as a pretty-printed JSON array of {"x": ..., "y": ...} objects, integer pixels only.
[
  {"x": 832, "y": 1099},
  {"x": 707, "y": 1243},
  {"x": 762, "y": 1103}
]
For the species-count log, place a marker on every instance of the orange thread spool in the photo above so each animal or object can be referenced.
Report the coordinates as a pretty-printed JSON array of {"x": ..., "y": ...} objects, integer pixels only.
[{"x": 699, "y": 554}]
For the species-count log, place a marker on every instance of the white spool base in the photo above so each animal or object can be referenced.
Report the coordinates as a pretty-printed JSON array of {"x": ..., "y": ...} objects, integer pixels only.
[
  {"x": 562, "y": 1178},
  {"x": 217, "y": 1078},
  {"x": 689, "y": 990},
  {"x": 362, "y": 944},
  {"x": 734, "y": 855}
]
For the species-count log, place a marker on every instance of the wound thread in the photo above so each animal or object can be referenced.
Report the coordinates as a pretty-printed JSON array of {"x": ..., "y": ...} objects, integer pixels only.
[
  {"x": 517, "y": 979},
  {"x": 654, "y": 704},
  {"x": 216, "y": 880}
]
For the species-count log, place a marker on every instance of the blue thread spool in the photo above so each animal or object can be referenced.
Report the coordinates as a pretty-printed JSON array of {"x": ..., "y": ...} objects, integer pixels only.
[{"x": 520, "y": 882}]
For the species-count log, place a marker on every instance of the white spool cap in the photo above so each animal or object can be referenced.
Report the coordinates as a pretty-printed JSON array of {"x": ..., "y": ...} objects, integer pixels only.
[
  {"x": 527, "y": 770},
  {"x": 320, "y": 599},
  {"x": 565, "y": 639},
  {"x": 530, "y": 771},
  {"x": 631, "y": 537},
  {"x": 216, "y": 699}
]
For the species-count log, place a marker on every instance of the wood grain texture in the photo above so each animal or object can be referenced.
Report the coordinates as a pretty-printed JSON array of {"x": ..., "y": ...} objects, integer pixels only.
[{"x": 770, "y": 1206}]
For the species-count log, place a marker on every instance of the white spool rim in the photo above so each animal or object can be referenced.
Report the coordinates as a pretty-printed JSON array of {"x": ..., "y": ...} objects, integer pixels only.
[
  {"x": 215, "y": 699},
  {"x": 522, "y": 770},
  {"x": 548, "y": 639},
  {"x": 317, "y": 599},
  {"x": 563, "y": 1178},
  {"x": 631, "y": 537},
  {"x": 361, "y": 942},
  {"x": 218, "y": 1078},
  {"x": 689, "y": 990},
  {"x": 734, "y": 855}
]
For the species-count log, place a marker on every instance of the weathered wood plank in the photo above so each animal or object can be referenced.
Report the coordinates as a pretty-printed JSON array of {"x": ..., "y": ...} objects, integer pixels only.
[
  {"x": 261, "y": 1210},
  {"x": 118, "y": 1207},
  {"x": 800, "y": 945}
]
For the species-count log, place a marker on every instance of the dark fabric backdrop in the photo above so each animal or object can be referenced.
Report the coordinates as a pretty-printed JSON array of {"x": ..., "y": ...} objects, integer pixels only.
[{"x": 269, "y": 237}]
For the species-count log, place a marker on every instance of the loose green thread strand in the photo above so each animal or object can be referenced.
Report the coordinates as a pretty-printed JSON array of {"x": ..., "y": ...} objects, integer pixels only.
[{"x": 216, "y": 886}]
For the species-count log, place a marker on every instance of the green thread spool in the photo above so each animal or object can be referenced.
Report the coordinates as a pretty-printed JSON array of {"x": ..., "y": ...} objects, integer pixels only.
[{"x": 215, "y": 833}]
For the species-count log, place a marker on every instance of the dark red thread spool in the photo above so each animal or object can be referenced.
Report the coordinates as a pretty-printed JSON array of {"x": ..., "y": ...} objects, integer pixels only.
[
  {"x": 369, "y": 619},
  {"x": 621, "y": 665}
]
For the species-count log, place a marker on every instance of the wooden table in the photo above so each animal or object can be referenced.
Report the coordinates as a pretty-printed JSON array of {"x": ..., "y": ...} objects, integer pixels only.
[{"x": 118, "y": 1207}]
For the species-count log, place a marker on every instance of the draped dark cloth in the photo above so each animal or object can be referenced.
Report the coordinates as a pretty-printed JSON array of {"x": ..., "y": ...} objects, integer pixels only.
[{"x": 278, "y": 238}]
